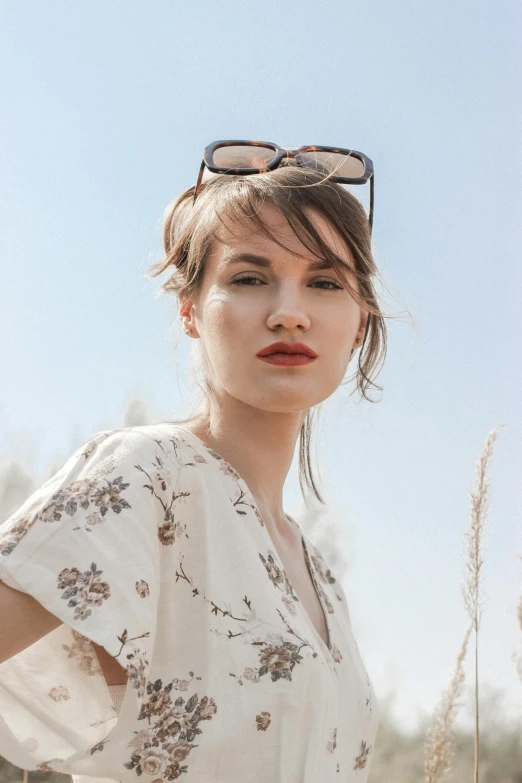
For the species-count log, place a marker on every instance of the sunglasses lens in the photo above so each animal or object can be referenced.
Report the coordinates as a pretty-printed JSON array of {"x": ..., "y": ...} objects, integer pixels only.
[
  {"x": 243, "y": 157},
  {"x": 333, "y": 163}
]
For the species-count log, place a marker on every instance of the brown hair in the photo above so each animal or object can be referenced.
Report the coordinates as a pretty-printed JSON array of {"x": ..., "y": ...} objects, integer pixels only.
[{"x": 189, "y": 230}]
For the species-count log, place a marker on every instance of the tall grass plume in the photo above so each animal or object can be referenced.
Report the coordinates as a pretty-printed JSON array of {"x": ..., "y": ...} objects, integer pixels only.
[{"x": 439, "y": 737}]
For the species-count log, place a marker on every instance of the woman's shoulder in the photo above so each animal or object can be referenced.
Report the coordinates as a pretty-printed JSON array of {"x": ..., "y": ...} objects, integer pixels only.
[
  {"x": 156, "y": 444},
  {"x": 163, "y": 435},
  {"x": 115, "y": 475}
]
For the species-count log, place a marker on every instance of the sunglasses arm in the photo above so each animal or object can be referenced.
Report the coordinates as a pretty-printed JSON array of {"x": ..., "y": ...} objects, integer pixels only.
[
  {"x": 370, "y": 217},
  {"x": 200, "y": 177}
]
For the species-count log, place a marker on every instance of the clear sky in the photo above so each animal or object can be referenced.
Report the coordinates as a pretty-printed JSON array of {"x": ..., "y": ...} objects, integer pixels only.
[{"x": 106, "y": 109}]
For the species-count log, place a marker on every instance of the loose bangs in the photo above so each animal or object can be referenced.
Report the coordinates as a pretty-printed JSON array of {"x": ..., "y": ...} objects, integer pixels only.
[{"x": 234, "y": 200}]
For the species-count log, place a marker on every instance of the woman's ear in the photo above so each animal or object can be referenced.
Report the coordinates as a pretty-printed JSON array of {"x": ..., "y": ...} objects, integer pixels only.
[
  {"x": 185, "y": 308},
  {"x": 361, "y": 331},
  {"x": 186, "y": 315}
]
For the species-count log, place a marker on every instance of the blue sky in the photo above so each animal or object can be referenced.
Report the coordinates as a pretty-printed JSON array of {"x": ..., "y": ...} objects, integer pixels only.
[{"x": 106, "y": 109}]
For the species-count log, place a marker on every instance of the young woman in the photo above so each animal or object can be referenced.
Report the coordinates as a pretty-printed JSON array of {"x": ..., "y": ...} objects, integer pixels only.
[{"x": 161, "y": 614}]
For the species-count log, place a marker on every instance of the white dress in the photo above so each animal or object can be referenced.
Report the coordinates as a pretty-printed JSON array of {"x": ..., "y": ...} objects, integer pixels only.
[{"x": 149, "y": 543}]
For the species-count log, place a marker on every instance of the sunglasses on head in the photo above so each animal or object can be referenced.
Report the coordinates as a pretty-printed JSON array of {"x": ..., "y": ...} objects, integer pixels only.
[{"x": 255, "y": 157}]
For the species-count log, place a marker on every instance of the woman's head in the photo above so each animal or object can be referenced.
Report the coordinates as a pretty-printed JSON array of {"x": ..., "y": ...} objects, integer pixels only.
[{"x": 295, "y": 220}]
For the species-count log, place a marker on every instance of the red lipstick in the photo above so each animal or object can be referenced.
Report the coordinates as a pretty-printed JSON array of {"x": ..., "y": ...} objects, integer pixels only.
[{"x": 287, "y": 354}]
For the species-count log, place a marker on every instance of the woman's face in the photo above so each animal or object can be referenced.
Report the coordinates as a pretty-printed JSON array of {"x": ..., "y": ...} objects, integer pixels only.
[{"x": 286, "y": 301}]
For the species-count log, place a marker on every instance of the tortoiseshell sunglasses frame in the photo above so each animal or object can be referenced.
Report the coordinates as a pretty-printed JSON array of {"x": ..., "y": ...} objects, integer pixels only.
[{"x": 279, "y": 154}]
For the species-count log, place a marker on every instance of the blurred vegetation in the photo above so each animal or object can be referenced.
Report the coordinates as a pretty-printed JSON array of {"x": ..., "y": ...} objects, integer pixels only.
[{"x": 399, "y": 756}]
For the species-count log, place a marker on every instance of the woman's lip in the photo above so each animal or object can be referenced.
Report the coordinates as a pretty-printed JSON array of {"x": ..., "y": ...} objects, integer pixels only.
[{"x": 287, "y": 359}]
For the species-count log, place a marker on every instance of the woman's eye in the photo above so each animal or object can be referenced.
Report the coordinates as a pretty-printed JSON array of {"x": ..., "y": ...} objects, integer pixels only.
[
  {"x": 329, "y": 283},
  {"x": 240, "y": 280}
]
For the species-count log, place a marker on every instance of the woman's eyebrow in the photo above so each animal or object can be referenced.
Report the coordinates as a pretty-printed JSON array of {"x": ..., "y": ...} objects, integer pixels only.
[{"x": 252, "y": 258}]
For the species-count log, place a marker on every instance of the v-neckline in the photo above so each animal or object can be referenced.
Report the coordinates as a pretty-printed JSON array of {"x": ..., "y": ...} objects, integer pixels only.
[{"x": 327, "y": 648}]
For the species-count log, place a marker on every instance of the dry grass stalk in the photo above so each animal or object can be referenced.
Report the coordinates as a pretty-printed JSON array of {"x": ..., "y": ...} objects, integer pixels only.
[
  {"x": 438, "y": 748},
  {"x": 26, "y": 775},
  {"x": 439, "y": 739},
  {"x": 475, "y": 532},
  {"x": 474, "y": 560}
]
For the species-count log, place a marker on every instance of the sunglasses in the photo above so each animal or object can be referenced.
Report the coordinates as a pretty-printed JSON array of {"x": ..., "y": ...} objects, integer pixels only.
[{"x": 255, "y": 157}]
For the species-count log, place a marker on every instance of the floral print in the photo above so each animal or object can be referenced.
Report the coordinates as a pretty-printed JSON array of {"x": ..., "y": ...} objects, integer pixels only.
[
  {"x": 263, "y": 721},
  {"x": 142, "y": 588},
  {"x": 59, "y": 693},
  {"x": 82, "y": 650},
  {"x": 81, "y": 494},
  {"x": 362, "y": 758},
  {"x": 279, "y": 579},
  {"x": 84, "y": 590},
  {"x": 149, "y": 543},
  {"x": 332, "y": 742},
  {"x": 160, "y": 750}
]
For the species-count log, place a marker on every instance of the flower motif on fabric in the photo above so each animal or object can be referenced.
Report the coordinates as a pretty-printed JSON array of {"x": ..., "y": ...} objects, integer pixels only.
[
  {"x": 90, "y": 447},
  {"x": 83, "y": 651},
  {"x": 16, "y": 533},
  {"x": 160, "y": 748},
  {"x": 200, "y": 459},
  {"x": 368, "y": 699},
  {"x": 362, "y": 758},
  {"x": 176, "y": 447},
  {"x": 278, "y": 576},
  {"x": 332, "y": 743},
  {"x": 84, "y": 492},
  {"x": 325, "y": 576},
  {"x": 243, "y": 500},
  {"x": 171, "y": 529},
  {"x": 142, "y": 588},
  {"x": 289, "y": 605},
  {"x": 325, "y": 598},
  {"x": 59, "y": 693},
  {"x": 263, "y": 721},
  {"x": 276, "y": 659},
  {"x": 163, "y": 476},
  {"x": 322, "y": 569},
  {"x": 138, "y": 663},
  {"x": 79, "y": 494},
  {"x": 109, "y": 497},
  {"x": 83, "y": 590},
  {"x": 279, "y": 660}
]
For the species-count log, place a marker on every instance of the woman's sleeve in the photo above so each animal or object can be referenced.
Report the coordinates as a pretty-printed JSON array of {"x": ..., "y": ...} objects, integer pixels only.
[{"x": 85, "y": 546}]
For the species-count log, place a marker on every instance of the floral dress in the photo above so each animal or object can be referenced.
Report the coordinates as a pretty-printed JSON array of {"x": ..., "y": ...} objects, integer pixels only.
[{"x": 149, "y": 543}]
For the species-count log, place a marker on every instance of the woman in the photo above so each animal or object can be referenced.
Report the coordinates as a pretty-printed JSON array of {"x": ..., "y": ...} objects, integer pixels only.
[{"x": 167, "y": 616}]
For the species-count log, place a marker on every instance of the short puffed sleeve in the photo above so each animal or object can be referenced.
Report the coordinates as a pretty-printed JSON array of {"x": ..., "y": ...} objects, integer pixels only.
[{"x": 85, "y": 546}]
